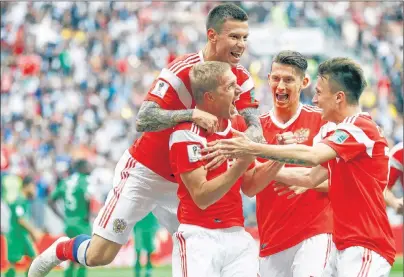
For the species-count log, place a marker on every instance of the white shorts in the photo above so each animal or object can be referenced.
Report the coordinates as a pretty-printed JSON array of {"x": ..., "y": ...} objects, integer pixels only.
[
  {"x": 136, "y": 191},
  {"x": 357, "y": 261},
  {"x": 308, "y": 258},
  {"x": 202, "y": 252}
]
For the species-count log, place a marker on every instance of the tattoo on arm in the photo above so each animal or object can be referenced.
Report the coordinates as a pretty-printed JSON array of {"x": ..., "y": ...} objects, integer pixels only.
[
  {"x": 286, "y": 161},
  {"x": 254, "y": 131},
  {"x": 152, "y": 118}
]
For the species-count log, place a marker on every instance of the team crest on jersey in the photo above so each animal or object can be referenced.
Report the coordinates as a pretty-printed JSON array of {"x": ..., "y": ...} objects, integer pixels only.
[
  {"x": 302, "y": 135},
  {"x": 119, "y": 225},
  {"x": 339, "y": 137},
  {"x": 194, "y": 152},
  {"x": 160, "y": 89}
]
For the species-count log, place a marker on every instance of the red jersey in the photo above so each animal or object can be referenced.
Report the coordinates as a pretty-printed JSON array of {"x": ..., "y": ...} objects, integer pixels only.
[
  {"x": 396, "y": 165},
  {"x": 283, "y": 223},
  {"x": 357, "y": 179},
  {"x": 172, "y": 91},
  {"x": 185, "y": 144}
]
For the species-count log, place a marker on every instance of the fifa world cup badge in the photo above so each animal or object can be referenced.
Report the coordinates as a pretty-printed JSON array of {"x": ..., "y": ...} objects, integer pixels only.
[{"x": 119, "y": 225}]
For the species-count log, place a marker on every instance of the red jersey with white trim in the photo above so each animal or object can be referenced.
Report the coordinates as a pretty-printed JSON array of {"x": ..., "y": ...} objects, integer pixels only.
[
  {"x": 185, "y": 144},
  {"x": 357, "y": 179},
  {"x": 396, "y": 165},
  {"x": 172, "y": 91},
  {"x": 283, "y": 223}
]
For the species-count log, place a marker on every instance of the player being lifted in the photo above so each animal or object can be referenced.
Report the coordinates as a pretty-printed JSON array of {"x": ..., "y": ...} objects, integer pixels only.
[
  {"x": 74, "y": 191},
  {"x": 143, "y": 180},
  {"x": 292, "y": 231},
  {"x": 354, "y": 157},
  {"x": 211, "y": 240}
]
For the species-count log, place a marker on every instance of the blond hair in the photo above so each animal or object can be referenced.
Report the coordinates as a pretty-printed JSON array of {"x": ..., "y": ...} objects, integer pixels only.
[{"x": 206, "y": 77}]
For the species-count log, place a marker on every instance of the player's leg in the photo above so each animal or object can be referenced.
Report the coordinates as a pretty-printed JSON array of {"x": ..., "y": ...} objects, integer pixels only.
[
  {"x": 81, "y": 271},
  {"x": 360, "y": 261},
  {"x": 241, "y": 258},
  {"x": 74, "y": 230},
  {"x": 126, "y": 204},
  {"x": 318, "y": 246},
  {"x": 15, "y": 251},
  {"x": 195, "y": 253},
  {"x": 278, "y": 264},
  {"x": 69, "y": 271},
  {"x": 138, "y": 249},
  {"x": 148, "y": 244},
  {"x": 11, "y": 271}
]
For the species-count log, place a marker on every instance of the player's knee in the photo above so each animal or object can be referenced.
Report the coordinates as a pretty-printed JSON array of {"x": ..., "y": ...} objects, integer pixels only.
[{"x": 98, "y": 258}]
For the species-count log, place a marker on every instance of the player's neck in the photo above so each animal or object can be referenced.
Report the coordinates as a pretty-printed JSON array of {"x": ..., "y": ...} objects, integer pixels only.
[
  {"x": 347, "y": 112},
  {"x": 209, "y": 53},
  {"x": 223, "y": 123},
  {"x": 283, "y": 115}
]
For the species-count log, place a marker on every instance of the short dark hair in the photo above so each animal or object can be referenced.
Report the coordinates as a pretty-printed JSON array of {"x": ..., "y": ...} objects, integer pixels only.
[
  {"x": 292, "y": 58},
  {"x": 345, "y": 75},
  {"x": 219, "y": 14}
]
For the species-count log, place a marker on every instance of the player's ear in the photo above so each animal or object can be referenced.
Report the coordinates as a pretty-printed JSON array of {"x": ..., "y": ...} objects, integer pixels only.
[
  {"x": 339, "y": 96},
  {"x": 306, "y": 81},
  {"x": 212, "y": 35},
  {"x": 208, "y": 97},
  {"x": 269, "y": 78}
]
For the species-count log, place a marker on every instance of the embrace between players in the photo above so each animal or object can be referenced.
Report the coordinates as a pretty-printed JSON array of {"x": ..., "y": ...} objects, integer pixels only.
[{"x": 199, "y": 149}]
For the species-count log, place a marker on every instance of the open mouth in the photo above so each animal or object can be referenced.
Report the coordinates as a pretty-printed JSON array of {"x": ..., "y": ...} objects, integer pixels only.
[
  {"x": 236, "y": 55},
  {"x": 282, "y": 97}
]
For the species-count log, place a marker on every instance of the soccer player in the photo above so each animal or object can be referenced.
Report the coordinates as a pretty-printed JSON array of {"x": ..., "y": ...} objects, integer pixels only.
[
  {"x": 143, "y": 180},
  {"x": 354, "y": 157},
  {"x": 396, "y": 175},
  {"x": 211, "y": 240},
  {"x": 18, "y": 238},
  {"x": 76, "y": 197},
  {"x": 292, "y": 231},
  {"x": 145, "y": 232}
]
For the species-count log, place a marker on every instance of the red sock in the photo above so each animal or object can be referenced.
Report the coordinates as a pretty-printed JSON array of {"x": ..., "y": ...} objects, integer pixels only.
[{"x": 64, "y": 250}]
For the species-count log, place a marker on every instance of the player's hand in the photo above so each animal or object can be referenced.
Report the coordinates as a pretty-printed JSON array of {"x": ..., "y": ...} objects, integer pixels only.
[
  {"x": 399, "y": 206},
  {"x": 293, "y": 191},
  {"x": 215, "y": 162},
  {"x": 37, "y": 235},
  {"x": 205, "y": 120},
  {"x": 235, "y": 147},
  {"x": 286, "y": 138}
]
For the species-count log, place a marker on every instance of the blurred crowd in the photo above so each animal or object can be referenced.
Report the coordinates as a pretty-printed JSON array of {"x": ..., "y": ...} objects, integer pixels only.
[{"x": 74, "y": 74}]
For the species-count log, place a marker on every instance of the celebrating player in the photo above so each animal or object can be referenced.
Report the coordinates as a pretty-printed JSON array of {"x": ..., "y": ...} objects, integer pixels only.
[
  {"x": 75, "y": 194},
  {"x": 18, "y": 240},
  {"x": 143, "y": 180},
  {"x": 292, "y": 231},
  {"x": 356, "y": 156},
  {"x": 211, "y": 240},
  {"x": 396, "y": 175}
]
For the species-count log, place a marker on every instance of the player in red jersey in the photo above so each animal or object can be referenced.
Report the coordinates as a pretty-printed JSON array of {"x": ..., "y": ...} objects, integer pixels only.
[
  {"x": 143, "y": 180},
  {"x": 354, "y": 158},
  {"x": 211, "y": 240},
  {"x": 293, "y": 231},
  {"x": 396, "y": 175}
]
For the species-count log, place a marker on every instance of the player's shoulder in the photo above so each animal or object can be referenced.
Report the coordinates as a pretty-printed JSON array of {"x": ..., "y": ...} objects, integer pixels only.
[
  {"x": 183, "y": 64},
  {"x": 311, "y": 110},
  {"x": 188, "y": 132},
  {"x": 241, "y": 69},
  {"x": 398, "y": 148},
  {"x": 362, "y": 126}
]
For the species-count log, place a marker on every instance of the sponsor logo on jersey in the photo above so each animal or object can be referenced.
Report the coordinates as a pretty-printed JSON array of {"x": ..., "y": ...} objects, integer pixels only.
[
  {"x": 119, "y": 225},
  {"x": 302, "y": 135},
  {"x": 160, "y": 89},
  {"x": 339, "y": 137},
  {"x": 194, "y": 152}
]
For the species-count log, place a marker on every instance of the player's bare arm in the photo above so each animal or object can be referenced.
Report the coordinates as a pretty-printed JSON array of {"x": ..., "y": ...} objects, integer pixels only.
[
  {"x": 393, "y": 202},
  {"x": 35, "y": 234},
  {"x": 254, "y": 130},
  {"x": 152, "y": 118},
  {"x": 293, "y": 191},
  {"x": 204, "y": 192},
  {"x": 303, "y": 177},
  {"x": 52, "y": 205},
  {"x": 258, "y": 178}
]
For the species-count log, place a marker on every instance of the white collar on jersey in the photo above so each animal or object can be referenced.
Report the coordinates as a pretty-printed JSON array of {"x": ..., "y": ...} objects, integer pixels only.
[
  {"x": 226, "y": 131},
  {"x": 201, "y": 56},
  {"x": 290, "y": 122}
]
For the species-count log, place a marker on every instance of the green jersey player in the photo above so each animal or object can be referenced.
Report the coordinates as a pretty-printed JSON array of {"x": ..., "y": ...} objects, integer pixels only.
[
  {"x": 75, "y": 195},
  {"x": 19, "y": 242}
]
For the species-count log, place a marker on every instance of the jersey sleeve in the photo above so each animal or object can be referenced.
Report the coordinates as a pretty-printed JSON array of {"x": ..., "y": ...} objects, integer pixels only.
[
  {"x": 185, "y": 151},
  {"x": 349, "y": 141},
  {"x": 396, "y": 170},
  {"x": 164, "y": 94},
  {"x": 58, "y": 192},
  {"x": 247, "y": 96}
]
